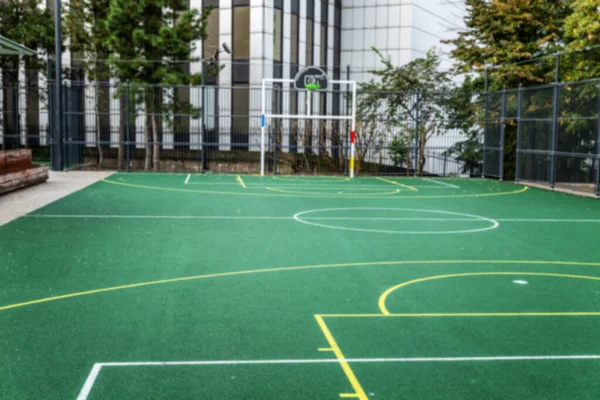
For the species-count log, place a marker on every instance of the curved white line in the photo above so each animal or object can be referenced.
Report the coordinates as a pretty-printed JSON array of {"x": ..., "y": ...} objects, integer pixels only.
[{"x": 494, "y": 223}]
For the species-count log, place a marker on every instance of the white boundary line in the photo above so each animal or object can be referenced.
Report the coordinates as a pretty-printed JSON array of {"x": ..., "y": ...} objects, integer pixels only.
[
  {"x": 267, "y": 218},
  {"x": 93, "y": 375},
  {"x": 199, "y": 217},
  {"x": 441, "y": 183},
  {"x": 187, "y": 179},
  {"x": 89, "y": 382}
]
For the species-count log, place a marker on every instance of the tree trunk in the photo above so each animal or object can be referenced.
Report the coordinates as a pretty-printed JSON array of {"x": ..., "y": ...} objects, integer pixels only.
[
  {"x": 157, "y": 102},
  {"x": 100, "y": 158},
  {"x": 147, "y": 138},
  {"x": 122, "y": 123},
  {"x": 147, "y": 134},
  {"x": 155, "y": 139},
  {"x": 423, "y": 142}
]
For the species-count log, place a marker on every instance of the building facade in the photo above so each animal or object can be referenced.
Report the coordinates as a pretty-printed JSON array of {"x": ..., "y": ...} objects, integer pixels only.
[{"x": 267, "y": 39}]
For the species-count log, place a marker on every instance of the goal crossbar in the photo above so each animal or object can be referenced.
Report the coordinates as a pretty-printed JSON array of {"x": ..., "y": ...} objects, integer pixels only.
[{"x": 265, "y": 117}]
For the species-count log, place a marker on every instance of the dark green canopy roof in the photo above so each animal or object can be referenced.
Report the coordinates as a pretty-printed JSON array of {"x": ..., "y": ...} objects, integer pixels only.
[{"x": 8, "y": 47}]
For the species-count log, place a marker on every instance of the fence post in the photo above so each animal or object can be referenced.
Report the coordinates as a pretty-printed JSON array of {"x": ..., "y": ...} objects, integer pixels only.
[
  {"x": 598, "y": 149},
  {"x": 445, "y": 161},
  {"x": 54, "y": 134},
  {"x": 203, "y": 122},
  {"x": 50, "y": 131},
  {"x": 278, "y": 89},
  {"x": 555, "y": 116},
  {"x": 417, "y": 127},
  {"x": 502, "y": 136},
  {"x": 16, "y": 142},
  {"x": 485, "y": 125},
  {"x": 519, "y": 134},
  {"x": 347, "y": 146},
  {"x": 127, "y": 128}
]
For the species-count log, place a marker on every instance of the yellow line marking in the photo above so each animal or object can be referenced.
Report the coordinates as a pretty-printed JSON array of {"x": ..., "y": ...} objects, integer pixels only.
[
  {"x": 474, "y": 195},
  {"x": 325, "y": 349},
  {"x": 359, "y": 392},
  {"x": 240, "y": 181},
  {"x": 395, "y": 191},
  {"x": 384, "y": 296},
  {"x": 300, "y": 178},
  {"x": 348, "y": 395},
  {"x": 427, "y": 315},
  {"x": 294, "y": 268},
  {"x": 396, "y": 183}
]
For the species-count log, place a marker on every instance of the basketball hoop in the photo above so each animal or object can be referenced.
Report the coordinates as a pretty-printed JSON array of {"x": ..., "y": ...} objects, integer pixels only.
[{"x": 312, "y": 79}]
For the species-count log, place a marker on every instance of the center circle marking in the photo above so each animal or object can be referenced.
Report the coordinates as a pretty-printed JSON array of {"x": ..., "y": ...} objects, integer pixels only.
[{"x": 304, "y": 215}]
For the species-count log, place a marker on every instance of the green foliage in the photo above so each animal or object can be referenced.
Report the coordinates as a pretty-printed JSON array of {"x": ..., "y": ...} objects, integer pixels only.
[
  {"x": 508, "y": 32},
  {"x": 26, "y": 23},
  {"x": 582, "y": 30},
  {"x": 149, "y": 38},
  {"x": 508, "y": 35},
  {"x": 391, "y": 105},
  {"x": 398, "y": 150}
]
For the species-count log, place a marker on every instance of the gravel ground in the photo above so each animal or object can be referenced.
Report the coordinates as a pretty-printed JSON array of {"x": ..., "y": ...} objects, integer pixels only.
[{"x": 16, "y": 204}]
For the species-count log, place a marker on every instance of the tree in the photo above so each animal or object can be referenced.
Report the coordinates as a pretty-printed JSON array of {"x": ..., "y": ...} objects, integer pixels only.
[
  {"x": 582, "y": 30},
  {"x": 409, "y": 103},
  {"x": 25, "y": 22},
  {"x": 147, "y": 39},
  {"x": 88, "y": 33},
  {"x": 508, "y": 33}
]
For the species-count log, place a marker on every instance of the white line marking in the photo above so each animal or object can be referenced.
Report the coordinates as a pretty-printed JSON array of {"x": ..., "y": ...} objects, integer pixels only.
[
  {"x": 91, "y": 379},
  {"x": 89, "y": 382},
  {"x": 548, "y": 220},
  {"x": 493, "y": 224},
  {"x": 267, "y": 217},
  {"x": 156, "y": 217},
  {"x": 520, "y": 282},
  {"x": 441, "y": 183},
  {"x": 392, "y": 219},
  {"x": 187, "y": 179},
  {"x": 352, "y": 360}
]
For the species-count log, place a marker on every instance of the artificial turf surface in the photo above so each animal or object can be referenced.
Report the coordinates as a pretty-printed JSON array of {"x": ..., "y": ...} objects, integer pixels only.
[{"x": 232, "y": 275}]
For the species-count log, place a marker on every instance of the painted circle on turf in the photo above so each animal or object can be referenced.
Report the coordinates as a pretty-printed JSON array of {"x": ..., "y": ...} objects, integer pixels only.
[
  {"x": 309, "y": 217},
  {"x": 325, "y": 191}
]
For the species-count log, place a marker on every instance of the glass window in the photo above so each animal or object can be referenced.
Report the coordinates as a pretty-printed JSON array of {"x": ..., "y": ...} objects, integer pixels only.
[
  {"x": 211, "y": 43},
  {"x": 294, "y": 46},
  {"x": 240, "y": 109},
  {"x": 241, "y": 33},
  {"x": 309, "y": 41},
  {"x": 323, "y": 45},
  {"x": 277, "y": 34}
]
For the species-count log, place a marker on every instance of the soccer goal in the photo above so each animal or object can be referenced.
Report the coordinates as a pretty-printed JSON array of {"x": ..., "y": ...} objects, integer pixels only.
[{"x": 312, "y": 79}]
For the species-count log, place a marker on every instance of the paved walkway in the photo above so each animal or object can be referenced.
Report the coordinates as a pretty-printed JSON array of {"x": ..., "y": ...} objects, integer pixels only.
[{"x": 16, "y": 204}]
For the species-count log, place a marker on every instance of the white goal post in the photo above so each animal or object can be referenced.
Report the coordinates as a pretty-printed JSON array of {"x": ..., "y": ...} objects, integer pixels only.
[{"x": 265, "y": 117}]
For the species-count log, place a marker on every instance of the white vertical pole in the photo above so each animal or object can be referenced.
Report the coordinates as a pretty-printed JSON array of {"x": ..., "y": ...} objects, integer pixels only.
[
  {"x": 353, "y": 132},
  {"x": 262, "y": 129}
]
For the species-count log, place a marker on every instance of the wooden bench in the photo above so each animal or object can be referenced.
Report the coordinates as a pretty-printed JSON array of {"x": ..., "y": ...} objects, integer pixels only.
[{"x": 17, "y": 171}]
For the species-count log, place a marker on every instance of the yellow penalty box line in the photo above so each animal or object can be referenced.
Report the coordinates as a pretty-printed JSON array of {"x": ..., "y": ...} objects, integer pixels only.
[
  {"x": 474, "y": 314},
  {"x": 359, "y": 392},
  {"x": 240, "y": 181},
  {"x": 384, "y": 295},
  {"x": 397, "y": 184}
]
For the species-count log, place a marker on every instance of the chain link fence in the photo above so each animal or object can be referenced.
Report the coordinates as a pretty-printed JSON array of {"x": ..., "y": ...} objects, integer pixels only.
[{"x": 556, "y": 130}]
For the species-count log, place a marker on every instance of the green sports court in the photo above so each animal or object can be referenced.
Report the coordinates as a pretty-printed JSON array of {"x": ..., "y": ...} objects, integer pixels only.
[{"x": 177, "y": 286}]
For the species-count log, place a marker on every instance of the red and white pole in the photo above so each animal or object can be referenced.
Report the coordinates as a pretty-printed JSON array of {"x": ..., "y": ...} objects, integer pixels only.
[
  {"x": 352, "y": 140},
  {"x": 353, "y": 132}
]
